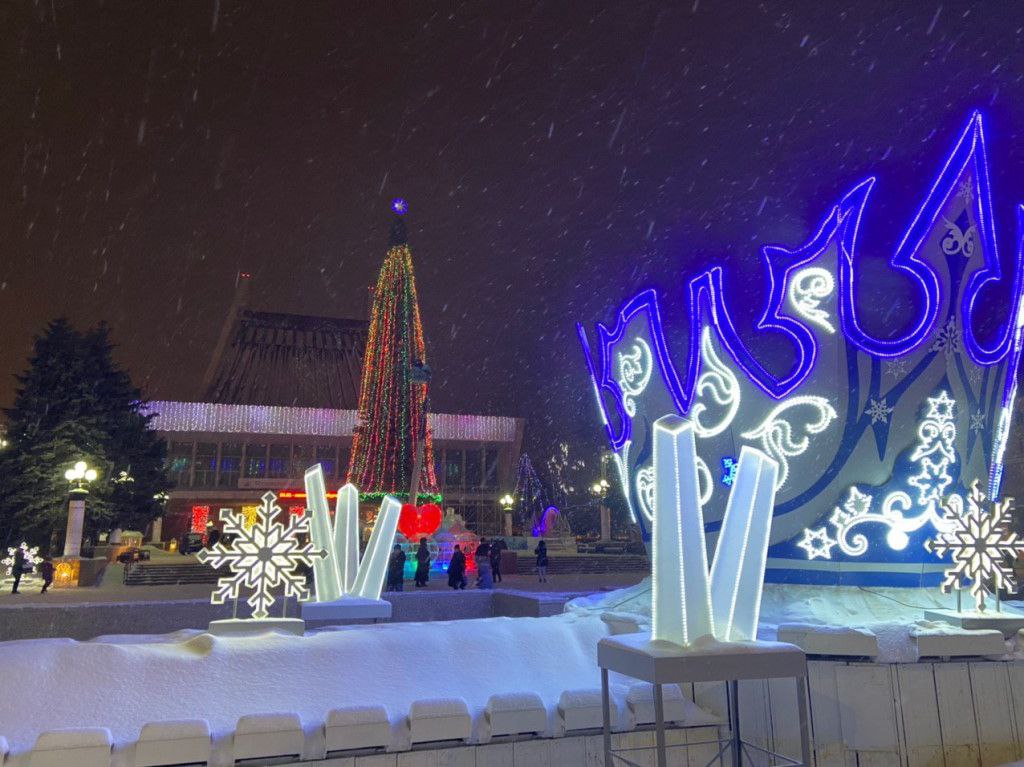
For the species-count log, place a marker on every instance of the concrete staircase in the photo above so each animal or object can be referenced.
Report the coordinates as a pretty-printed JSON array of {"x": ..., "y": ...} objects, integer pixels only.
[
  {"x": 151, "y": 574},
  {"x": 586, "y": 563}
]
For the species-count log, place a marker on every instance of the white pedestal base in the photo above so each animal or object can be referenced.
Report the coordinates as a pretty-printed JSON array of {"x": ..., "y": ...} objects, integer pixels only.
[
  {"x": 832, "y": 641},
  {"x": 1007, "y": 621},
  {"x": 960, "y": 643},
  {"x": 240, "y": 627},
  {"x": 347, "y": 609}
]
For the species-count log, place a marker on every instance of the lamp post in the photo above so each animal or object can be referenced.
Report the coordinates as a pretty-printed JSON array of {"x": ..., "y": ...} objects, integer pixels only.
[
  {"x": 600, "y": 491},
  {"x": 80, "y": 476},
  {"x": 507, "y": 501},
  {"x": 158, "y": 524}
]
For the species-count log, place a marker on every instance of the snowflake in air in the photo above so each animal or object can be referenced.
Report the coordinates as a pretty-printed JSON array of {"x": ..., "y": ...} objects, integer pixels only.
[
  {"x": 979, "y": 545},
  {"x": 947, "y": 340},
  {"x": 262, "y": 557},
  {"x": 879, "y": 411},
  {"x": 32, "y": 558}
]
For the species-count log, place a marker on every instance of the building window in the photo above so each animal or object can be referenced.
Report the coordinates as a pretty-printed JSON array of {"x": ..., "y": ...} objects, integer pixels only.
[
  {"x": 179, "y": 464},
  {"x": 206, "y": 465},
  {"x": 326, "y": 456},
  {"x": 490, "y": 468},
  {"x": 278, "y": 463},
  {"x": 439, "y": 467},
  {"x": 230, "y": 464},
  {"x": 453, "y": 468},
  {"x": 255, "y": 461},
  {"x": 301, "y": 460},
  {"x": 474, "y": 469}
]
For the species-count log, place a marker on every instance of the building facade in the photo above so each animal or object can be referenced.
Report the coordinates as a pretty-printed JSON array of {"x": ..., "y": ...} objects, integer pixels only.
[{"x": 280, "y": 394}]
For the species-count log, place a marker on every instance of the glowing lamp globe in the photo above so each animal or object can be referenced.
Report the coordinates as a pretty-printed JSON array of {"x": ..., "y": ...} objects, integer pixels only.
[{"x": 399, "y": 206}]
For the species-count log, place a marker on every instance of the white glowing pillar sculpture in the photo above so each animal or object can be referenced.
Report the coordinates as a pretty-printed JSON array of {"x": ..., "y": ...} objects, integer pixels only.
[
  {"x": 681, "y": 607},
  {"x": 342, "y": 573},
  {"x": 685, "y": 602},
  {"x": 737, "y": 573}
]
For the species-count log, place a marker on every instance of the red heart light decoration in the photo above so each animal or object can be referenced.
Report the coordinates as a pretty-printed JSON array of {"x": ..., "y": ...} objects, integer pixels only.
[{"x": 419, "y": 523}]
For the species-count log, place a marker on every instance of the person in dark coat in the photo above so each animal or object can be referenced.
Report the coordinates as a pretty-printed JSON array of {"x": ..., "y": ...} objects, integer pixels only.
[
  {"x": 483, "y": 565},
  {"x": 542, "y": 561},
  {"x": 46, "y": 570},
  {"x": 396, "y": 569},
  {"x": 496, "y": 548},
  {"x": 422, "y": 564},
  {"x": 17, "y": 568},
  {"x": 457, "y": 569}
]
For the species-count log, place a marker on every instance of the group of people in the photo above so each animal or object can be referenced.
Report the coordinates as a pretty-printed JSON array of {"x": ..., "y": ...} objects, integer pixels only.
[
  {"x": 18, "y": 569},
  {"x": 487, "y": 557}
]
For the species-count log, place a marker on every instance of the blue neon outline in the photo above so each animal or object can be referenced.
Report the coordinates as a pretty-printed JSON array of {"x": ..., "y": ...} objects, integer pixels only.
[{"x": 706, "y": 293}]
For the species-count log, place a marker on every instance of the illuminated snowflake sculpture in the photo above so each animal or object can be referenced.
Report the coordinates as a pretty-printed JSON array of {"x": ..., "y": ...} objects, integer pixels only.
[
  {"x": 979, "y": 544},
  {"x": 32, "y": 558},
  {"x": 262, "y": 557}
]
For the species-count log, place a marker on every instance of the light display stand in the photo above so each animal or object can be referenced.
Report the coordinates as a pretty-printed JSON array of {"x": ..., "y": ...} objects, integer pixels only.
[
  {"x": 660, "y": 663},
  {"x": 347, "y": 589}
]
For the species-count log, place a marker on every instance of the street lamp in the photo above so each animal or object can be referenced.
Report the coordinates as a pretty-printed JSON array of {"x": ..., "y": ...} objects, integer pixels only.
[
  {"x": 507, "y": 501},
  {"x": 79, "y": 476},
  {"x": 600, "y": 491}
]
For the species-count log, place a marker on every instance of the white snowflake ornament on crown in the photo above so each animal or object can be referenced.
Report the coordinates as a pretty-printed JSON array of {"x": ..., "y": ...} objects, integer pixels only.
[
  {"x": 262, "y": 556},
  {"x": 32, "y": 558},
  {"x": 979, "y": 544}
]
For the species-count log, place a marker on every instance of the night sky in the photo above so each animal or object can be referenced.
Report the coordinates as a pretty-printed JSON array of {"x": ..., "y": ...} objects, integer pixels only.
[{"x": 556, "y": 159}]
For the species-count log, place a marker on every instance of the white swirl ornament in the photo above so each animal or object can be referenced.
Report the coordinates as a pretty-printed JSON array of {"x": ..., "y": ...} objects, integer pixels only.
[
  {"x": 635, "y": 368},
  {"x": 719, "y": 383},
  {"x": 808, "y": 288},
  {"x": 776, "y": 434}
]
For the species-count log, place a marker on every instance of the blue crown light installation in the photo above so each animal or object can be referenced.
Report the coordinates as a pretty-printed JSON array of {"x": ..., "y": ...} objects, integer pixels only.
[{"x": 848, "y": 412}]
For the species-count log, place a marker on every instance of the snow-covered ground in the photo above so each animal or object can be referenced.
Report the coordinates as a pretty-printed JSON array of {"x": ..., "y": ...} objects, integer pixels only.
[
  {"x": 124, "y": 682},
  {"x": 890, "y": 613}
]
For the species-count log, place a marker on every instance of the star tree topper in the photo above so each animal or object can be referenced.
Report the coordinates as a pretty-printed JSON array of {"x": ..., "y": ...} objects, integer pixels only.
[
  {"x": 979, "y": 544},
  {"x": 262, "y": 556}
]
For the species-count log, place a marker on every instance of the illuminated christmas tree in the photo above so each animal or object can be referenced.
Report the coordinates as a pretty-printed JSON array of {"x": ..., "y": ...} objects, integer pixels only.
[{"x": 393, "y": 397}]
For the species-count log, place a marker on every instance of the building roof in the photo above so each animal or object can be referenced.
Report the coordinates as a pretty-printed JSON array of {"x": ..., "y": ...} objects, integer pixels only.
[
  {"x": 294, "y": 360},
  {"x": 209, "y": 417}
]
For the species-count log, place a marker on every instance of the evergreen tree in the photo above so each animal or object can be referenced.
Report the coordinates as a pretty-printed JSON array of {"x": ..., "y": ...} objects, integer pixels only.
[
  {"x": 530, "y": 498},
  {"x": 75, "y": 403},
  {"x": 392, "y": 402}
]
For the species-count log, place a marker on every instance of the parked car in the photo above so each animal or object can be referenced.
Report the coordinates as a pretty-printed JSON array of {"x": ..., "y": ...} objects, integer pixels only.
[
  {"x": 133, "y": 555},
  {"x": 191, "y": 543}
]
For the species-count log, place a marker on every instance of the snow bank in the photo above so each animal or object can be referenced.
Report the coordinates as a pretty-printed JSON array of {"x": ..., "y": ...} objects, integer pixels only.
[
  {"x": 125, "y": 682},
  {"x": 892, "y": 614}
]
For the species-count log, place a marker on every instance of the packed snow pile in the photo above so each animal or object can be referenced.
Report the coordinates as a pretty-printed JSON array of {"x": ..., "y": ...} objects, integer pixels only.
[
  {"x": 889, "y": 613},
  {"x": 124, "y": 682}
]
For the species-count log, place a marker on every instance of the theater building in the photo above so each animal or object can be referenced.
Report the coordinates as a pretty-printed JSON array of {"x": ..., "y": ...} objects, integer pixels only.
[{"x": 281, "y": 395}]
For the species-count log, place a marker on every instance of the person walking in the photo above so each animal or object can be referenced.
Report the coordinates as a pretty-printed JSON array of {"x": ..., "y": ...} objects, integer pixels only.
[
  {"x": 542, "y": 561},
  {"x": 483, "y": 565},
  {"x": 17, "y": 568},
  {"x": 46, "y": 570},
  {"x": 422, "y": 564},
  {"x": 457, "y": 569},
  {"x": 497, "y": 547},
  {"x": 396, "y": 568}
]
